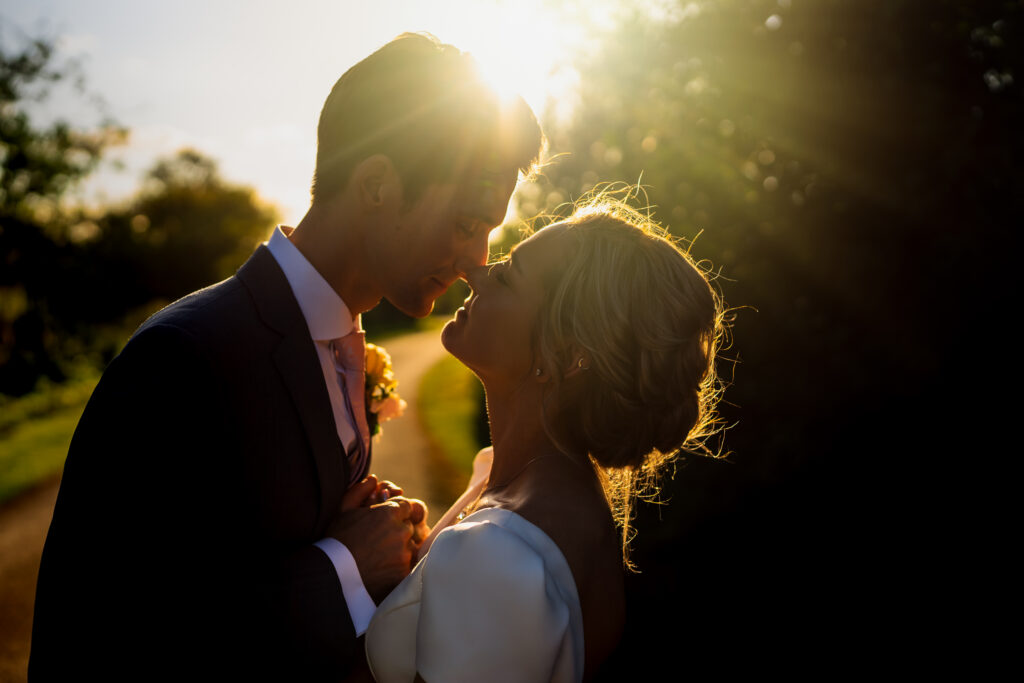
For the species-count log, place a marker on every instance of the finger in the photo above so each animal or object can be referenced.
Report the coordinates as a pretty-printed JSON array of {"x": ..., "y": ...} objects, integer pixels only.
[
  {"x": 385, "y": 490},
  {"x": 391, "y": 487},
  {"x": 417, "y": 509},
  {"x": 418, "y": 512},
  {"x": 399, "y": 507},
  {"x": 357, "y": 495}
]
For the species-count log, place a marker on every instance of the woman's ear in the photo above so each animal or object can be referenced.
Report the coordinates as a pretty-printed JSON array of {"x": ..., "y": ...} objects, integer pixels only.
[
  {"x": 577, "y": 360},
  {"x": 580, "y": 364}
]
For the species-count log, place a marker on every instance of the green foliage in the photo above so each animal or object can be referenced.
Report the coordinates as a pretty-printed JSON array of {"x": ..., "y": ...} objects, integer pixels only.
[
  {"x": 38, "y": 164},
  {"x": 449, "y": 411},
  {"x": 69, "y": 274},
  {"x": 186, "y": 229},
  {"x": 36, "y": 450},
  {"x": 853, "y": 169},
  {"x": 810, "y": 150},
  {"x": 45, "y": 401}
]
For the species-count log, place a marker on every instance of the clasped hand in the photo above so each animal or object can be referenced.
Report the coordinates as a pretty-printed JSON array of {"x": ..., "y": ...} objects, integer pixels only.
[{"x": 383, "y": 530}]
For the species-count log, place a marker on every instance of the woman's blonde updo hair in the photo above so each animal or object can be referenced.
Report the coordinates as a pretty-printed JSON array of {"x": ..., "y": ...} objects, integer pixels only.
[{"x": 646, "y": 324}]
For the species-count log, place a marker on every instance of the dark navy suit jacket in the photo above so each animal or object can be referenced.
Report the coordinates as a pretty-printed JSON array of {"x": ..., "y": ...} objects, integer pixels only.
[{"x": 205, "y": 466}]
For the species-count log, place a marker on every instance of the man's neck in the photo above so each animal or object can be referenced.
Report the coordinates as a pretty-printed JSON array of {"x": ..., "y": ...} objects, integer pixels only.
[{"x": 335, "y": 251}]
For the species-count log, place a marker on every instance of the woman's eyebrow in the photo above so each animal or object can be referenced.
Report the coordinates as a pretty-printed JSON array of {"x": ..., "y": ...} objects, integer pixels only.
[
  {"x": 514, "y": 262},
  {"x": 505, "y": 257}
]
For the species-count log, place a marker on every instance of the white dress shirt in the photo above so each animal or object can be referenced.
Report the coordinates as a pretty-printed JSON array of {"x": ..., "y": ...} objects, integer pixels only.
[{"x": 327, "y": 318}]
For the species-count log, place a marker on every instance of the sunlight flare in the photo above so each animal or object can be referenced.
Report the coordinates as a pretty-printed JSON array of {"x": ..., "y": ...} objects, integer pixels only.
[{"x": 522, "y": 47}]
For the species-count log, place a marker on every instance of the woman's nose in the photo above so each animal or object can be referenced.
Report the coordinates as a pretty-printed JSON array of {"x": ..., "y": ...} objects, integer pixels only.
[{"x": 476, "y": 276}]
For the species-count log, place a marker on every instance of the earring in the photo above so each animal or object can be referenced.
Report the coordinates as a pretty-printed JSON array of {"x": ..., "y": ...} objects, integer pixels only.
[
  {"x": 581, "y": 366},
  {"x": 539, "y": 372}
]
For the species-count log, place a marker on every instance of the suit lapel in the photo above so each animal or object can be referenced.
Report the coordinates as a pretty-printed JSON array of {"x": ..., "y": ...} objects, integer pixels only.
[{"x": 296, "y": 359}]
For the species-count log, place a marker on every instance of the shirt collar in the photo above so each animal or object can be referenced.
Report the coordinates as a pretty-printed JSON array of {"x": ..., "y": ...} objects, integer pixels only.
[{"x": 327, "y": 316}]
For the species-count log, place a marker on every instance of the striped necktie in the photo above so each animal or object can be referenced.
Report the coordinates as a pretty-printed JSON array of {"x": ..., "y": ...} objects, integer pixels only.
[{"x": 350, "y": 362}]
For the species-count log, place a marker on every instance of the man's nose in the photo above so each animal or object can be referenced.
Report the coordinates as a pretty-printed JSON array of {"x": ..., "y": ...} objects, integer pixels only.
[{"x": 473, "y": 255}]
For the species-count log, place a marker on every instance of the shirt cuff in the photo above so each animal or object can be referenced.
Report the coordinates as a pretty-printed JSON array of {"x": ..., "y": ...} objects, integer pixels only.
[{"x": 360, "y": 605}]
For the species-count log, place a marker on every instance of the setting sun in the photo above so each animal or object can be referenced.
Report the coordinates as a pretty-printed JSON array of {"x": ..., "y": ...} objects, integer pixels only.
[{"x": 523, "y": 47}]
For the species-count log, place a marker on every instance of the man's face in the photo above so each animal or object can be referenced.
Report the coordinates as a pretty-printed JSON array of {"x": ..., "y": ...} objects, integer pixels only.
[{"x": 438, "y": 239}]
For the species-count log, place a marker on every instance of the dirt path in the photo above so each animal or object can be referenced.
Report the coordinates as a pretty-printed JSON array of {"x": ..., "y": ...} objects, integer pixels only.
[
  {"x": 399, "y": 455},
  {"x": 23, "y": 525}
]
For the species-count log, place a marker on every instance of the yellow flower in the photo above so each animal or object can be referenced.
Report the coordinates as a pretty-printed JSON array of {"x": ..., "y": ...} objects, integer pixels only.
[
  {"x": 378, "y": 368},
  {"x": 382, "y": 401}
]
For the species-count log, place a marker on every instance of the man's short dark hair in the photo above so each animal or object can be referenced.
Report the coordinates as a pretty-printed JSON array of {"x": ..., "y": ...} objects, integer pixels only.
[{"x": 423, "y": 104}]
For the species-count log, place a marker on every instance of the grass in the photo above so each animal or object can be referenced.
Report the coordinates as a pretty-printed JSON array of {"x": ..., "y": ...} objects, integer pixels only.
[
  {"x": 36, "y": 450},
  {"x": 44, "y": 401},
  {"x": 448, "y": 411}
]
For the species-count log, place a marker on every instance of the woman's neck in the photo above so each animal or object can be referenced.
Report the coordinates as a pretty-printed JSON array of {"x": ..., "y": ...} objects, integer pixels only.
[{"x": 518, "y": 433}]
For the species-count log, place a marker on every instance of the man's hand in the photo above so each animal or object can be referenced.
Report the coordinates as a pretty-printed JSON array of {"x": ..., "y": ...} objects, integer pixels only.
[
  {"x": 387, "y": 490},
  {"x": 380, "y": 536}
]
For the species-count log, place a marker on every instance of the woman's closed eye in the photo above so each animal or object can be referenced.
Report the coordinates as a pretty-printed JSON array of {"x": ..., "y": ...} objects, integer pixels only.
[{"x": 497, "y": 270}]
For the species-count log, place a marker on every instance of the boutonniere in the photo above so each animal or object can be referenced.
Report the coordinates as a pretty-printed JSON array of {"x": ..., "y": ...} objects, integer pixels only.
[{"x": 382, "y": 400}]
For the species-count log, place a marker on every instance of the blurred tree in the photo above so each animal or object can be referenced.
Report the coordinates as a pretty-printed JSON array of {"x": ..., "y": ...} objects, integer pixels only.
[
  {"x": 66, "y": 270},
  {"x": 41, "y": 163},
  {"x": 851, "y": 167},
  {"x": 38, "y": 164},
  {"x": 186, "y": 229}
]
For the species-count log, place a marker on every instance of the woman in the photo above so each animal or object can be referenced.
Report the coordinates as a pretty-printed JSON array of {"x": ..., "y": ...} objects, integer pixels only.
[{"x": 595, "y": 343}]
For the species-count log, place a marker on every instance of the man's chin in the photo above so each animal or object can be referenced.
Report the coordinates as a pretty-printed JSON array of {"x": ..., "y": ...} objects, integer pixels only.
[{"x": 414, "y": 309}]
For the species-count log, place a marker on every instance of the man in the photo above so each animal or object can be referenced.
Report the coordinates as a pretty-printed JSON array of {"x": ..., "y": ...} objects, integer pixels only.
[{"x": 213, "y": 519}]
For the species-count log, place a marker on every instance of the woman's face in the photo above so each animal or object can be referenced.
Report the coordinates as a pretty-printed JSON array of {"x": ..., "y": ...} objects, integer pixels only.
[{"x": 492, "y": 334}]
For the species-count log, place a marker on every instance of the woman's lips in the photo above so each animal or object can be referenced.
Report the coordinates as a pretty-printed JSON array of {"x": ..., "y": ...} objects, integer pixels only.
[{"x": 464, "y": 309}]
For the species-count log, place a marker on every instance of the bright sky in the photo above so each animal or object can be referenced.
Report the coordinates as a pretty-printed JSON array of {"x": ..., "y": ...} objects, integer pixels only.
[{"x": 244, "y": 81}]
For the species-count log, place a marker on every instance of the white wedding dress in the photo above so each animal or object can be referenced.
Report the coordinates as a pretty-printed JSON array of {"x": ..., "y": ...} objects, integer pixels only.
[{"x": 492, "y": 600}]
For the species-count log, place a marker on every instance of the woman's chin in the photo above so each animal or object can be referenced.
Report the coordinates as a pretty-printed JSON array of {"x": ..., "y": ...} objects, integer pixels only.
[{"x": 448, "y": 334}]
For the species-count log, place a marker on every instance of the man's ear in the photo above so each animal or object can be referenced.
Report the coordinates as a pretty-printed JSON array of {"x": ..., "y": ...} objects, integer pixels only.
[{"x": 376, "y": 183}]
